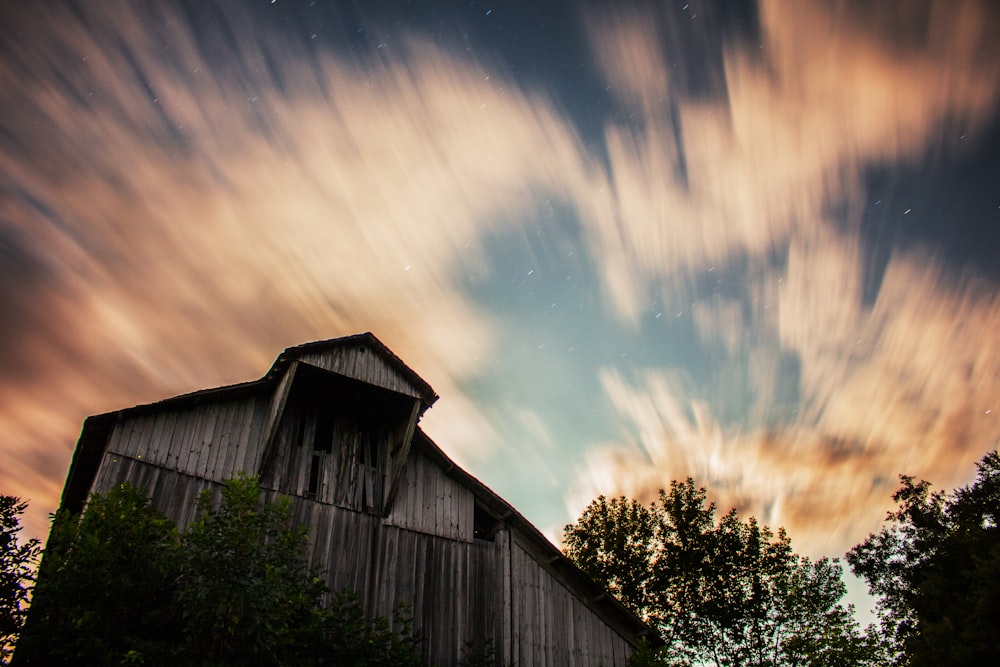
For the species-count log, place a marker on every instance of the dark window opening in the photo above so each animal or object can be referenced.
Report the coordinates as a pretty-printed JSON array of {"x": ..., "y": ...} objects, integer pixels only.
[
  {"x": 314, "y": 474},
  {"x": 484, "y": 525},
  {"x": 324, "y": 431}
]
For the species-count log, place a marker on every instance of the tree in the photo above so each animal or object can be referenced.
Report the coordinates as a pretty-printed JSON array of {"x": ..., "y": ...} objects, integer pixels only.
[
  {"x": 722, "y": 593},
  {"x": 17, "y": 563},
  {"x": 935, "y": 571},
  {"x": 350, "y": 639},
  {"x": 119, "y": 584},
  {"x": 614, "y": 543},
  {"x": 107, "y": 586},
  {"x": 245, "y": 591}
]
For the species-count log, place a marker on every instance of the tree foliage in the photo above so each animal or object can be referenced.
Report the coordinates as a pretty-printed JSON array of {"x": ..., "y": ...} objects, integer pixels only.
[
  {"x": 245, "y": 593},
  {"x": 106, "y": 585},
  {"x": 17, "y": 561},
  {"x": 726, "y": 592},
  {"x": 935, "y": 570},
  {"x": 121, "y": 585}
]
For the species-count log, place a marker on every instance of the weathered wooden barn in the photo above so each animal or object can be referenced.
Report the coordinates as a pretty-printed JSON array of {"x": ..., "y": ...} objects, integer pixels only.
[{"x": 334, "y": 425}]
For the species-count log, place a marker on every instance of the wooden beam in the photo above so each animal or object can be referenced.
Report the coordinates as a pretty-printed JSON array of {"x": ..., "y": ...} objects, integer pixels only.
[
  {"x": 274, "y": 416},
  {"x": 399, "y": 453}
]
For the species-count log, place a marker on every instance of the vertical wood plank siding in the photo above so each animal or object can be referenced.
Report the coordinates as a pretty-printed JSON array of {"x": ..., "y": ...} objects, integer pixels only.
[
  {"x": 360, "y": 363},
  {"x": 349, "y": 470},
  {"x": 551, "y": 626},
  {"x": 175, "y": 493},
  {"x": 429, "y": 501},
  {"x": 214, "y": 440},
  {"x": 454, "y": 588}
]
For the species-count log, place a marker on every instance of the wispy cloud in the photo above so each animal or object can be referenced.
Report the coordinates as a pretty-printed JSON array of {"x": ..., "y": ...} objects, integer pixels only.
[
  {"x": 189, "y": 215},
  {"x": 903, "y": 384},
  {"x": 178, "y": 204}
]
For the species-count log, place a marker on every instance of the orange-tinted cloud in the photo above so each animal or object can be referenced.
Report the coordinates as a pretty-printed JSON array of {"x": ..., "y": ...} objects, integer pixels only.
[
  {"x": 191, "y": 218},
  {"x": 906, "y": 384},
  {"x": 172, "y": 218}
]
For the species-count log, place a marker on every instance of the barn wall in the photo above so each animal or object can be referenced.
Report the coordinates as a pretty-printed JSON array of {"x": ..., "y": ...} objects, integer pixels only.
[
  {"x": 214, "y": 440},
  {"x": 551, "y": 626},
  {"x": 361, "y": 362},
  {"x": 454, "y": 588},
  {"x": 462, "y": 592},
  {"x": 174, "y": 493},
  {"x": 429, "y": 501}
]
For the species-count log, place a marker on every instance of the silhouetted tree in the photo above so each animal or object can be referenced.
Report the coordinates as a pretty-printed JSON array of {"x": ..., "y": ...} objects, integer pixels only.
[
  {"x": 107, "y": 586},
  {"x": 120, "y": 585},
  {"x": 245, "y": 591},
  {"x": 935, "y": 570},
  {"x": 725, "y": 593},
  {"x": 17, "y": 562}
]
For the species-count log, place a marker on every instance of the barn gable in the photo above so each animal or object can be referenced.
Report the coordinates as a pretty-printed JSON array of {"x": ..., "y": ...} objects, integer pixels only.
[{"x": 363, "y": 357}]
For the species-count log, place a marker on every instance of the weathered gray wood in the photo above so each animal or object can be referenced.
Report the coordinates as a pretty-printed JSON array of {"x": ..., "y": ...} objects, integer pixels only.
[
  {"x": 249, "y": 450},
  {"x": 430, "y": 501},
  {"x": 222, "y": 441},
  {"x": 361, "y": 363},
  {"x": 277, "y": 408},
  {"x": 399, "y": 451},
  {"x": 204, "y": 441},
  {"x": 392, "y": 521},
  {"x": 540, "y": 604}
]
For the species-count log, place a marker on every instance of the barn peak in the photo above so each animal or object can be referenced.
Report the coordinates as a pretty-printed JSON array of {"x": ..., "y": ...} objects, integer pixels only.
[{"x": 362, "y": 357}]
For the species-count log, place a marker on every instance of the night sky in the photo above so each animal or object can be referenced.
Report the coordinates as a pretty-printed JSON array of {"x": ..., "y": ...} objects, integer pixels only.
[{"x": 625, "y": 242}]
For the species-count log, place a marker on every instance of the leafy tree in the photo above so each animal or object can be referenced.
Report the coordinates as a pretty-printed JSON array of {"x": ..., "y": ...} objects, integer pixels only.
[
  {"x": 106, "y": 586},
  {"x": 245, "y": 592},
  {"x": 935, "y": 570},
  {"x": 16, "y": 573},
  {"x": 351, "y": 640},
  {"x": 721, "y": 593},
  {"x": 614, "y": 542},
  {"x": 120, "y": 585}
]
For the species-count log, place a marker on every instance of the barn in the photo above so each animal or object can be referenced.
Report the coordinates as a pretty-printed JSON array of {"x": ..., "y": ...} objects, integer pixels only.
[{"x": 334, "y": 425}]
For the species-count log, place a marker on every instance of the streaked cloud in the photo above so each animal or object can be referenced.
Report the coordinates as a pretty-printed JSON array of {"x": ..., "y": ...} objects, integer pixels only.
[
  {"x": 178, "y": 205},
  {"x": 191, "y": 216},
  {"x": 901, "y": 384}
]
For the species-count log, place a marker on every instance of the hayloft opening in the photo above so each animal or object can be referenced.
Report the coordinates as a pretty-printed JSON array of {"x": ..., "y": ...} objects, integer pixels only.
[{"x": 335, "y": 437}]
